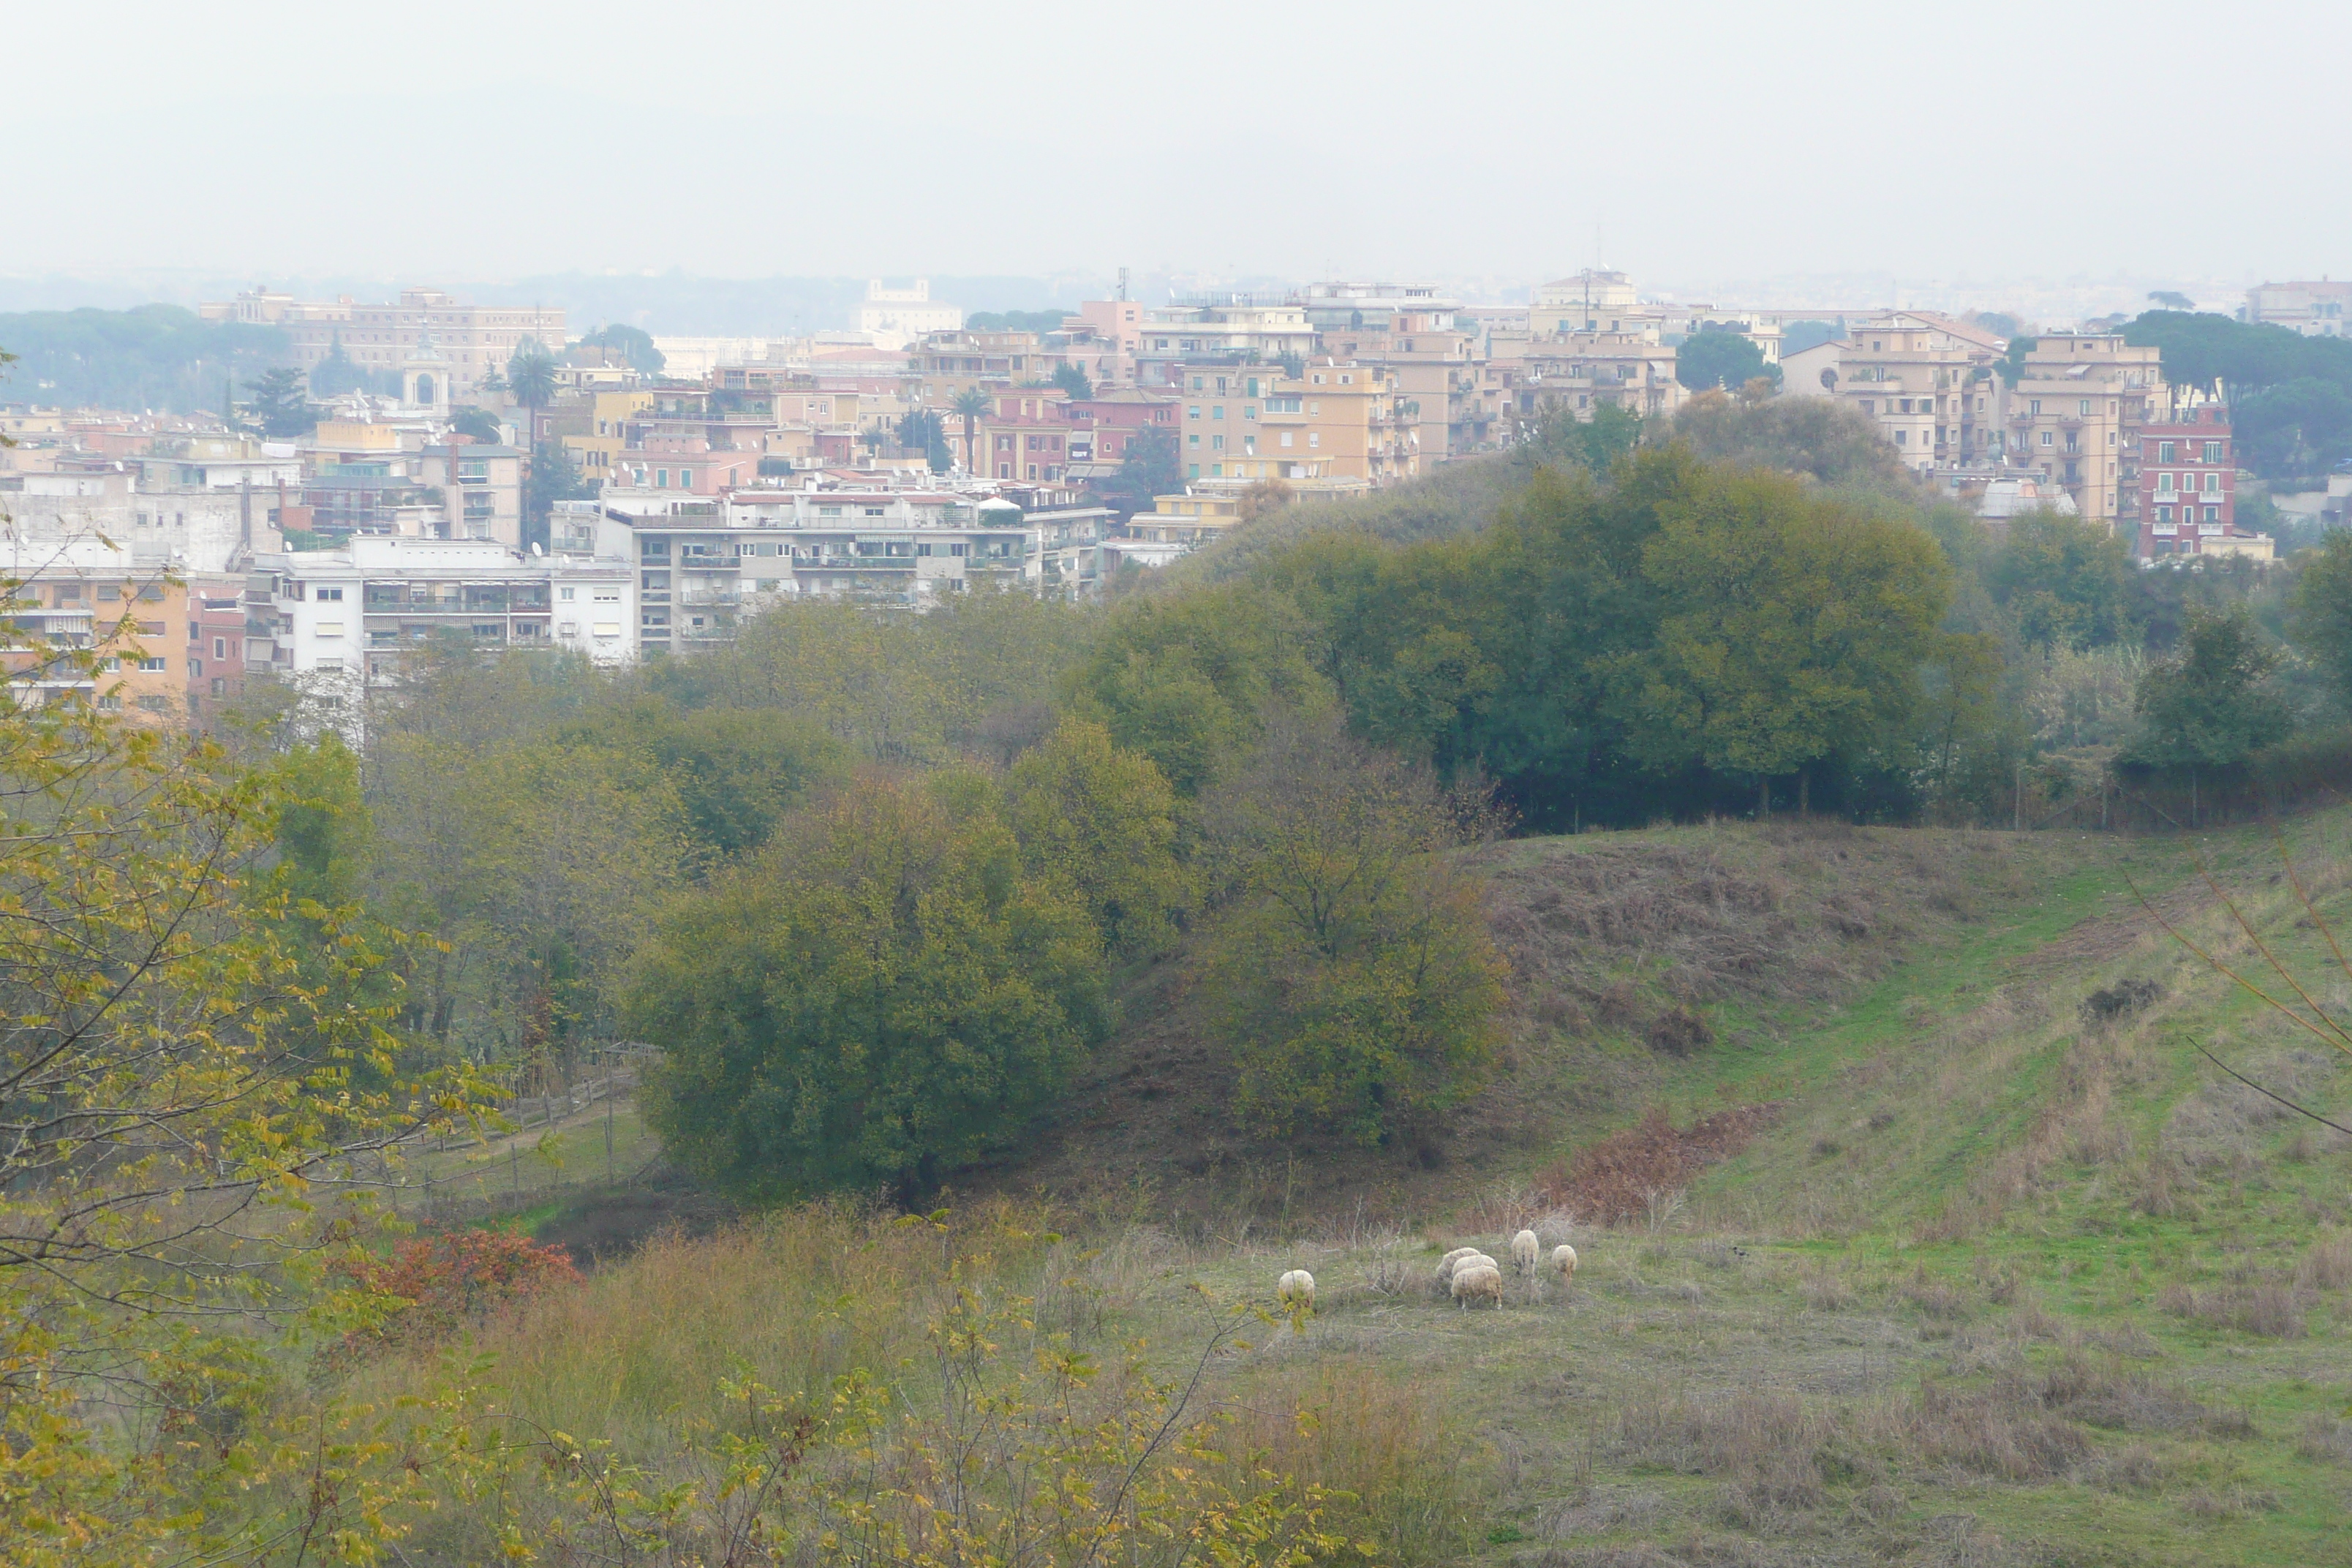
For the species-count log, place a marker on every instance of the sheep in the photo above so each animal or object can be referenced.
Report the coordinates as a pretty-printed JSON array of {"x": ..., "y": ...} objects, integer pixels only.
[
  {"x": 1296, "y": 1289},
  {"x": 1525, "y": 1250},
  {"x": 1563, "y": 1261},
  {"x": 1479, "y": 1282},
  {"x": 1453, "y": 1260}
]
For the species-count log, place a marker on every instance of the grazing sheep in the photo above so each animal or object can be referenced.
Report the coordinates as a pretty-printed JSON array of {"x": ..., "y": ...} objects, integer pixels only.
[
  {"x": 1479, "y": 1282},
  {"x": 1296, "y": 1289},
  {"x": 1525, "y": 1250},
  {"x": 1563, "y": 1261},
  {"x": 1453, "y": 1260}
]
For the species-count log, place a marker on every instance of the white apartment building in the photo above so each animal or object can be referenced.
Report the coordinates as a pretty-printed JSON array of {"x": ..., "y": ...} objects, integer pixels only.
[
  {"x": 2321, "y": 310},
  {"x": 359, "y": 610},
  {"x": 893, "y": 318}
]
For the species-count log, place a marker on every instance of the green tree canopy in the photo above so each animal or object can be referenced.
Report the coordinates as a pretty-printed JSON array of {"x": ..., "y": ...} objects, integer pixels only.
[
  {"x": 1072, "y": 380},
  {"x": 1353, "y": 982},
  {"x": 280, "y": 404},
  {"x": 1726, "y": 359},
  {"x": 1101, "y": 823},
  {"x": 633, "y": 344},
  {"x": 2211, "y": 704},
  {"x": 2323, "y": 611},
  {"x": 1795, "y": 630},
  {"x": 879, "y": 998},
  {"x": 2065, "y": 583}
]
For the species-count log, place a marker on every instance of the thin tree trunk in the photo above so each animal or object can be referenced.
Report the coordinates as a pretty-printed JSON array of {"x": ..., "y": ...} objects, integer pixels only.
[
  {"x": 1805, "y": 792},
  {"x": 1763, "y": 797}
]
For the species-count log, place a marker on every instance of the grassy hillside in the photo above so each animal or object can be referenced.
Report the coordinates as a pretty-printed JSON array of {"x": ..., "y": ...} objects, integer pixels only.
[{"x": 2008, "y": 1274}]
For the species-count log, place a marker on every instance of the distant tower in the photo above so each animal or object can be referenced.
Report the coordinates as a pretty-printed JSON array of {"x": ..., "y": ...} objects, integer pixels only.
[{"x": 424, "y": 376}]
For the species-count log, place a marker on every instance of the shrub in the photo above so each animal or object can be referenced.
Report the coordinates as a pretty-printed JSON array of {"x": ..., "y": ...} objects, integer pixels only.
[{"x": 446, "y": 1280}]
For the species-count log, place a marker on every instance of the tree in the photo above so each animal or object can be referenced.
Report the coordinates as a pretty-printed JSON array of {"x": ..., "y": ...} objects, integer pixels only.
[
  {"x": 736, "y": 771},
  {"x": 1262, "y": 497},
  {"x": 879, "y": 999},
  {"x": 2323, "y": 611},
  {"x": 1147, "y": 469},
  {"x": 921, "y": 430},
  {"x": 531, "y": 376},
  {"x": 1822, "y": 436},
  {"x": 2295, "y": 430},
  {"x": 2172, "y": 300},
  {"x": 2210, "y": 705},
  {"x": 1794, "y": 630},
  {"x": 1101, "y": 823},
  {"x": 555, "y": 477},
  {"x": 633, "y": 344},
  {"x": 478, "y": 423},
  {"x": 1353, "y": 982},
  {"x": 2065, "y": 583},
  {"x": 973, "y": 406},
  {"x": 1071, "y": 379},
  {"x": 338, "y": 374},
  {"x": 1721, "y": 358},
  {"x": 1594, "y": 445},
  {"x": 280, "y": 404}
]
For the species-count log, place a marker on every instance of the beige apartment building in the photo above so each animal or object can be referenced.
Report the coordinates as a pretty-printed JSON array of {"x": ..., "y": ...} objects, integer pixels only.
[
  {"x": 1171, "y": 342},
  {"x": 1581, "y": 372},
  {"x": 1930, "y": 383},
  {"x": 2074, "y": 416},
  {"x": 476, "y": 340}
]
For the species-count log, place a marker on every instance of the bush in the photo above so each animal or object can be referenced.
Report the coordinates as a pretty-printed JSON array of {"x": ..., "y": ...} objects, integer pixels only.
[
  {"x": 443, "y": 1282},
  {"x": 875, "y": 1000},
  {"x": 1354, "y": 982}
]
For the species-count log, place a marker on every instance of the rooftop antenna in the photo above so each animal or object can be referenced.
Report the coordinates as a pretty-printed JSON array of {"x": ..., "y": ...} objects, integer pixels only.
[{"x": 1122, "y": 285}]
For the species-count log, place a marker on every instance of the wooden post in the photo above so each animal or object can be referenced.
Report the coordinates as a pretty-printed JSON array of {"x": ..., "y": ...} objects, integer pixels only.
[{"x": 608, "y": 1121}]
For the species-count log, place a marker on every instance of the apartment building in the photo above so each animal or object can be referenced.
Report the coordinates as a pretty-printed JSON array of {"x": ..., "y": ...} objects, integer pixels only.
[
  {"x": 2076, "y": 412},
  {"x": 1930, "y": 383},
  {"x": 94, "y": 595},
  {"x": 2188, "y": 483},
  {"x": 1349, "y": 414},
  {"x": 474, "y": 340},
  {"x": 1581, "y": 372},
  {"x": 702, "y": 565},
  {"x": 201, "y": 530},
  {"x": 215, "y": 657},
  {"x": 942, "y": 365},
  {"x": 2321, "y": 310},
  {"x": 480, "y": 490},
  {"x": 1219, "y": 330},
  {"x": 1410, "y": 330},
  {"x": 893, "y": 318},
  {"x": 362, "y": 609}
]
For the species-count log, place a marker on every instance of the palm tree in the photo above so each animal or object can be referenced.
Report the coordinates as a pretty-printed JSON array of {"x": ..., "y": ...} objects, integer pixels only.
[
  {"x": 531, "y": 376},
  {"x": 973, "y": 406}
]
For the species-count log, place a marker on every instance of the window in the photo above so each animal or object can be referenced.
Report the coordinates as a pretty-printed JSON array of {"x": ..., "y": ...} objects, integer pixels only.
[
  {"x": 1249, "y": 411},
  {"x": 1191, "y": 470},
  {"x": 150, "y": 628},
  {"x": 2084, "y": 408},
  {"x": 1196, "y": 382},
  {"x": 220, "y": 687},
  {"x": 661, "y": 479},
  {"x": 566, "y": 594},
  {"x": 331, "y": 595},
  {"x": 1192, "y": 411},
  {"x": 2045, "y": 438},
  {"x": 1217, "y": 442},
  {"x": 2212, "y": 514},
  {"x": 2033, "y": 407},
  {"x": 1286, "y": 438},
  {"x": 1315, "y": 437},
  {"x": 2164, "y": 514},
  {"x": 220, "y": 648},
  {"x": 109, "y": 704},
  {"x": 1903, "y": 438},
  {"x": 2212, "y": 483},
  {"x": 1192, "y": 438},
  {"x": 152, "y": 666},
  {"x": 2163, "y": 452},
  {"x": 195, "y": 667},
  {"x": 2212, "y": 451},
  {"x": 155, "y": 704},
  {"x": 2164, "y": 484}
]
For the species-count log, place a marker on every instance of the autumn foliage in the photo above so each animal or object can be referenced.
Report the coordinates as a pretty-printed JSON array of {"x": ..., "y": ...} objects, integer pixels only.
[{"x": 450, "y": 1279}]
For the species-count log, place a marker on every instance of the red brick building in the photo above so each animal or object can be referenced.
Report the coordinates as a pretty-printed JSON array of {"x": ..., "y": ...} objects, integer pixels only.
[{"x": 2188, "y": 483}]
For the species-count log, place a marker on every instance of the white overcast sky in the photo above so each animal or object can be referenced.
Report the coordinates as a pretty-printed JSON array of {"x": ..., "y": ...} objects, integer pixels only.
[{"x": 1704, "y": 141}]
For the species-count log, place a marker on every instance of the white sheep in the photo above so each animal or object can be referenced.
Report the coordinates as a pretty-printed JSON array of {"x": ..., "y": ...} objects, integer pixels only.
[
  {"x": 1525, "y": 1250},
  {"x": 1479, "y": 1282},
  {"x": 1563, "y": 1261},
  {"x": 1296, "y": 1289},
  {"x": 1453, "y": 1260}
]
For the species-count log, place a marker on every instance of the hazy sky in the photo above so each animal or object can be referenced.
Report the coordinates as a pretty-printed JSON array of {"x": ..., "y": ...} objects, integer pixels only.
[{"x": 1705, "y": 140}]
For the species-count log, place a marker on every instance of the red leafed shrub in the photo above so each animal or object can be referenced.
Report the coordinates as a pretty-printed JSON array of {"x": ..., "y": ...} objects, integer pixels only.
[
  {"x": 454, "y": 1277},
  {"x": 1622, "y": 1176}
]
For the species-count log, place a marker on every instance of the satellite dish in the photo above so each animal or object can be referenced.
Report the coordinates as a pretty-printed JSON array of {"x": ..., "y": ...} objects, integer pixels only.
[{"x": 535, "y": 550}]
